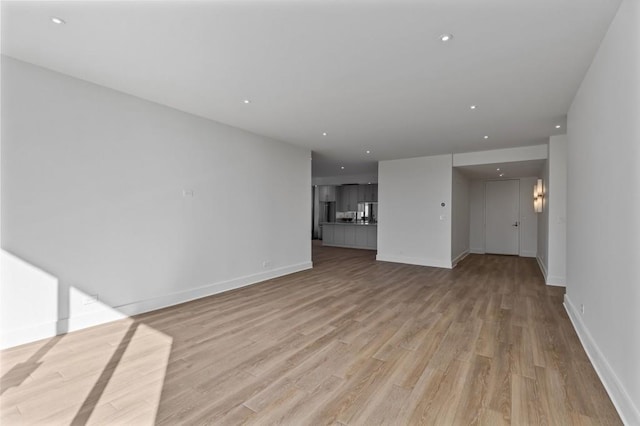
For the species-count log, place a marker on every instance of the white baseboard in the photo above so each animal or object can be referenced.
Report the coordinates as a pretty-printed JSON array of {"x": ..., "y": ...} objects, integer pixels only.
[
  {"x": 77, "y": 322},
  {"x": 556, "y": 281},
  {"x": 209, "y": 290},
  {"x": 348, "y": 246},
  {"x": 414, "y": 261},
  {"x": 12, "y": 338},
  {"x": 458, "y": 258},
  {"x": 628, "y": 411},
  {"x": 542, "y": 268},
  {"x": 528, "y": 254},
  {"x": 476, "y": 250},
  {"x": 552, "y": 280}
]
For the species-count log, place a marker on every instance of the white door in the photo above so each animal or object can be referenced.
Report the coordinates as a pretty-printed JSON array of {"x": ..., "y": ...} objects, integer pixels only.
[{"x": 502, "y": 213}]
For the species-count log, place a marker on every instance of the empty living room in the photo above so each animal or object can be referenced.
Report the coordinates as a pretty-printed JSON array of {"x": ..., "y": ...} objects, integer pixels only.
[{"x": 388, "y": 212}]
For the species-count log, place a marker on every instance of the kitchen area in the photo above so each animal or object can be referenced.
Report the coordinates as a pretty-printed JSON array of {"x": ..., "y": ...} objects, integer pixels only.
[{"x": 346, "y": 215}]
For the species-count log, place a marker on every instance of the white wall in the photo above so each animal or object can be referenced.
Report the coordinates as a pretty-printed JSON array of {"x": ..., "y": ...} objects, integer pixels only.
[
  {"x": 92, "y": 202},
  {"x": 459, "y": 216},
  {"x": 412, "y": 225},
  {"x": 476, "y": 216},
  {"x": 543, "y": 224},
  {"x": 603, "y": 211},
  {"x": 556, "y": 205},
  {"x": 528, "y": 221}
]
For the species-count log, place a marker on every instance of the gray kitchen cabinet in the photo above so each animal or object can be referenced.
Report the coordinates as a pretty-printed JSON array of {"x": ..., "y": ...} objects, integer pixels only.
[
  {"x": 339, "y": 198},
  {"x": 353, "y": 198},
  {"x": 343, "y": 198},
  {"x": 328, "y": 233},
  {"x": 351, "y": 235},
  {"x": 368, "y": 193},
  {"x": 338, "y": 235},
  {"x": 363, "y": 193},
  {"x": 372, "y": 237},
  {"x": 326, "y": 193},
  {"x": 349, "y": 198},
  {"x": 361, "y": 237}
]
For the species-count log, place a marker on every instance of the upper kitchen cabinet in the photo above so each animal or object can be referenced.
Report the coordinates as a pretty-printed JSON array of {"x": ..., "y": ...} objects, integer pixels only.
[
  {"x": 348, "y": 198},
  {"x": 368, "y": 193},
  {"x": 326, "y": 193}
]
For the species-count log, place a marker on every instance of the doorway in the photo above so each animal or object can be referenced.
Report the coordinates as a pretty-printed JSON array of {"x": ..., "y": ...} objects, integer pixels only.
[{"x": 502, "y": 215}]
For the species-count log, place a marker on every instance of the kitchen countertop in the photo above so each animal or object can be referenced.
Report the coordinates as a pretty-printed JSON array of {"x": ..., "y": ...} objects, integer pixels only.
[{"x": 358, "y": 223}]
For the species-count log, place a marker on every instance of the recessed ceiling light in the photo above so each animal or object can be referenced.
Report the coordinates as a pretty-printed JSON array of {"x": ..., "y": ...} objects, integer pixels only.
[
  {"x": 445, "y": 37},
  {"x": 486, "y": 137},
  {"x": 247, "y": 101},
  {"x": 558, "y": 126},
  {"x": 368, "y": 152},
  {"x": 501, "y": 174},
  {"x": 498, "y": 169},
  {"x": 473, "y": 107},
  {"x": 342, "y": 167},
  {"x": 324, "y": 133},
  {"x": 56, "y": 20},
  {"x": 368, "y": 183}
]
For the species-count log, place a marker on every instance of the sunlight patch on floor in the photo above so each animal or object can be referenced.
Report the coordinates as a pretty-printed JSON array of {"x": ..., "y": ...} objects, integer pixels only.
[{"x": 123, "y": 383}]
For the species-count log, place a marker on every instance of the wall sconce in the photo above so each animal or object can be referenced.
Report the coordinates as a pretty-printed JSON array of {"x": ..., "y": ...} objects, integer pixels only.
[{"x": 538, "y": 196}]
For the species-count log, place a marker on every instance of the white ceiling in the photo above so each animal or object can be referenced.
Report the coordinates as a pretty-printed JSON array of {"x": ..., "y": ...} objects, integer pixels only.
[{"x": 372, "y": 74}]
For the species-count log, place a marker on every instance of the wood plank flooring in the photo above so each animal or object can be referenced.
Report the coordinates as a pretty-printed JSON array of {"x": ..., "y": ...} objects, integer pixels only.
[{"x": 351, "y": 342}]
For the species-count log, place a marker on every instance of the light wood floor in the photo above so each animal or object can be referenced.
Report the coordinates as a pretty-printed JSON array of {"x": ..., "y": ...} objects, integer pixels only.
[{"x": 354, "y": 342}]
